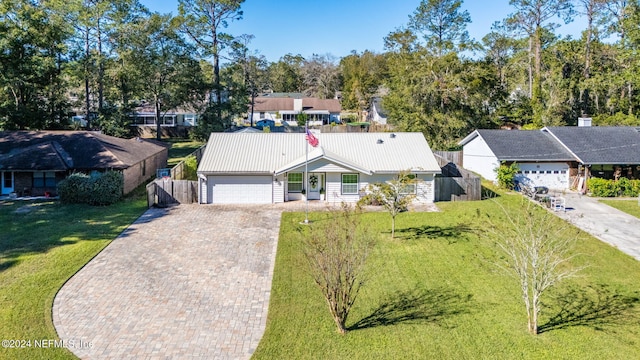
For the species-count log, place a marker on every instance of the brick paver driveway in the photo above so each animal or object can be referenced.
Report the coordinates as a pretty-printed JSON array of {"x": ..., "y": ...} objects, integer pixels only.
[{"x": 191, "y": 281}]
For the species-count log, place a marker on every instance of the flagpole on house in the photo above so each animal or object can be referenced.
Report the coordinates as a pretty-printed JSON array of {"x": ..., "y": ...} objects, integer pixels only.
[{"x": 306, "y": 171}]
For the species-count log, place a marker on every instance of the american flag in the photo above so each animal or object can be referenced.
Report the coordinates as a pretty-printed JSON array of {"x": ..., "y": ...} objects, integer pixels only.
[{"x": 313, "y": 141}]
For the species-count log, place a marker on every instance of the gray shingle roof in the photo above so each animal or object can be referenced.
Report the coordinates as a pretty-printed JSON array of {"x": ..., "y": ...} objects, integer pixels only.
[
  {"x": 601, "y": 144},
  {"x": 66, "y": 150},
  {"x": 524, "y": 145},
  {"x": 268, "y": 153}
]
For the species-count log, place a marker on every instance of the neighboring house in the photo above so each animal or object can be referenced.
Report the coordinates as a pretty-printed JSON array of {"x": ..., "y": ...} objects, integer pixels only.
[
  {"x": 284, "y": 109},
  {"x": 556, "y": 157},
  {"x": 33, "y": 162},
  {"x": 377, "y": 113},
  {"x": 270, "y": 168},
  {"x": 146, "y": 116}
]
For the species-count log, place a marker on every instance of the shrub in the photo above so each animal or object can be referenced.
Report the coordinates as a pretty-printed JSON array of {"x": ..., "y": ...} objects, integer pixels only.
[
  {"x": 190, "y": 168},
  {"x": 100, "y": 189},
  {"x": 611, "y": 188},
  {"x": 74, "y": 189},
  {"x": 507, "y": 175},
  {"x": 106, "y": 188}
]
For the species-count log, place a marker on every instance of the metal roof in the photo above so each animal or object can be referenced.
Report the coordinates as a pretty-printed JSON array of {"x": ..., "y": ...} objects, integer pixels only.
[{"x": 269, "y": 153}]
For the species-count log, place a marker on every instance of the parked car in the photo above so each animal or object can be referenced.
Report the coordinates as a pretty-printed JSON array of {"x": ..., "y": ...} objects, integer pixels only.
[{"x": 265, "y": 122}]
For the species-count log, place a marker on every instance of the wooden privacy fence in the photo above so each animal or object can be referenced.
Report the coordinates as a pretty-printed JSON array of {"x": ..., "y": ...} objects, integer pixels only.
[
  {"x": 450, "y": 156},
  {"x": 177, "y": 172},
  {"x": 167, "y": 192},
  {"x": 458, "y": 188},
  {"x": 455, "y": 183}
]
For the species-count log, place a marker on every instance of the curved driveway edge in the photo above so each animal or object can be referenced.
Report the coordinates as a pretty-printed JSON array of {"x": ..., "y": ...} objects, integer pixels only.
[{"x": 190, "y": 281}]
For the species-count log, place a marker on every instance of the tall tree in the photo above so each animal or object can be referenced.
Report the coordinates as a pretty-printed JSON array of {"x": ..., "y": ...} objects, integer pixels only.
[
  {"x": 285, "y": 75},
  {"x": 594, "y": 11},
  {"x": 167, "y": 74},
  {"x": 533, "y": 17},
  {"x": 320, "y": 76},
  {"x": 32, "y": 46},
  {"x": 442, "y": 25},
  {"x": 203, "y": 21},
  {"x": 362, "y": 76}
]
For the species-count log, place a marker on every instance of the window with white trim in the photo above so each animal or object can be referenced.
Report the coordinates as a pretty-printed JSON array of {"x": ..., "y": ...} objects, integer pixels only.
[
  {"x": 295, "y": 182},
  {"x": 409, "y": 188},
  {"x": 349, "y": 183}
]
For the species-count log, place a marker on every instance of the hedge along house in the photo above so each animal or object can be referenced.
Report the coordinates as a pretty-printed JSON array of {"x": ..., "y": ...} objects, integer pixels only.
[
  {"x": 260, "y": 168},
  {"x": 33, "y": 162}
]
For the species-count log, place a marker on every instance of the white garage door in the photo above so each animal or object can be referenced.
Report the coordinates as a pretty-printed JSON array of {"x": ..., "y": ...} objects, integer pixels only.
[
  {"x": 551, "y": 175},
  {"x": 239, "y": 189}
]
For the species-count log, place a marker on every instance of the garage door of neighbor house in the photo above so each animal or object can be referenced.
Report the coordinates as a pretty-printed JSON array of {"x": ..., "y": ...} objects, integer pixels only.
[
  {"x": 240, "y": 189},
  {"x": 551, "y": 175}
]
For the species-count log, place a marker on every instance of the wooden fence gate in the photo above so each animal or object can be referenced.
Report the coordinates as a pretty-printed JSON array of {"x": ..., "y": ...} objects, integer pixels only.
[{"x": 165, "y": 192}]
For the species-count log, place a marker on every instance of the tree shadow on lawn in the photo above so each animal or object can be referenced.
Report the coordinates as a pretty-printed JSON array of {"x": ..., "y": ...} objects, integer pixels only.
[
  {"x": 598, "y": 307},
  {"x": 415, "y": 306},
  {"x": 51, "y": 225},
  {"x": 453, "y": 234}
]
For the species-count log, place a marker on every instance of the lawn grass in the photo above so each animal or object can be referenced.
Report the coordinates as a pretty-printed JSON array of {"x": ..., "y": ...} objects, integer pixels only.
[
  {"x": 41, "y": 246},
  {"x": 631, "y": 207},
  {"x": 180, "y": 149},
  {"x": 435, "y": 293}
]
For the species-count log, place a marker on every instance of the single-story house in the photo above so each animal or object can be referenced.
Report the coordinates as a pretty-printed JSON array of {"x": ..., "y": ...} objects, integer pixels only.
[
  {"x": 146, "y": 116},
  {"x": 555, "y": 157},
  {"x": 33, "y": 162},
  {"x": 279, "y": 167},
  {"x": 285, "y": 109}
]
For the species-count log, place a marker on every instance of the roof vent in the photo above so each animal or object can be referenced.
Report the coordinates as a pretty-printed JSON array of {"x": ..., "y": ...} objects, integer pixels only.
[
  {"x": 380, "y": 141},
  {"x": 393, "y": 136}
]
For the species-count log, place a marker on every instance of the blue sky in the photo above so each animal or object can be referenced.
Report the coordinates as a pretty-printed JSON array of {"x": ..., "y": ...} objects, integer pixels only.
[{"x": 337, "y": 27}]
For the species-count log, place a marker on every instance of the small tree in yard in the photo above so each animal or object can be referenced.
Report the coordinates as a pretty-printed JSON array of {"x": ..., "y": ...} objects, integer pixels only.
[
  {"x": 395, "y": 195},
  {"x": 537, "y": 249},
  {"x": 337, "y": 252},
  {"x": 506, "y": 175}
]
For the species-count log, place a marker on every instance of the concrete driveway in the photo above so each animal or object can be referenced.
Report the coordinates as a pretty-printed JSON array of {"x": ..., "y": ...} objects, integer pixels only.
[
  {"x": 610, "y": 225},
  {"x": 190, "y": 281}
]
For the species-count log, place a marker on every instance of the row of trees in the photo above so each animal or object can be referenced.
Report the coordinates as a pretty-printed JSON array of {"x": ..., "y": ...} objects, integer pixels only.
[{"x": 106, "y": 57}]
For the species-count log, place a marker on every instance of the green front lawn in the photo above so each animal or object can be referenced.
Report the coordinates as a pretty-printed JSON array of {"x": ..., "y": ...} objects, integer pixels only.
[
  {"x": 41, "y": 246},
  {"x": 631, "y": 207},
  {"x": 435, "y": 293}
]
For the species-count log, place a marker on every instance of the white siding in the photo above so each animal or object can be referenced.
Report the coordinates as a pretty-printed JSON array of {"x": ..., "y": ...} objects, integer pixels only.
[
  {"x": 478, "y": 157},
  {"x": 425, "y": 189},
  {"x": 334, "y": 188},
  {"x": 278, "y": 189},
  {"x": 240, "y": 189}
]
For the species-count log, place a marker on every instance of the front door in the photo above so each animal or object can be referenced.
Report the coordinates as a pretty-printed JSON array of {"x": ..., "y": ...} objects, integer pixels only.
[
  {"x": 316, "y": 182},
  {"x": 7, "y": 182}
]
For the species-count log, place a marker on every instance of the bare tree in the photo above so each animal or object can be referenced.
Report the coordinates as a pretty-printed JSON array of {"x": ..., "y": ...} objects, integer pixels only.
[
  {"x": 337, "y": 252},
  {"x": 538, "y": 249},
  {"x": 395, "y": 195}
]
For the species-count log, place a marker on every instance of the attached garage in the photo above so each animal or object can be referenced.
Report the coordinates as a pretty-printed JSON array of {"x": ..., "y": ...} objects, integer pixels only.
[
  {"x": 551, "y": 175},
  {"x": 239, "y": 189}
]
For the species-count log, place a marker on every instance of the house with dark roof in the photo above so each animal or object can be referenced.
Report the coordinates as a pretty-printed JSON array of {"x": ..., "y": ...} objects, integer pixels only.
[
  {"x": 33, "y": 162},
  {"x": 556, "y": 157},
  {"x": 284, "y": 109}
]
